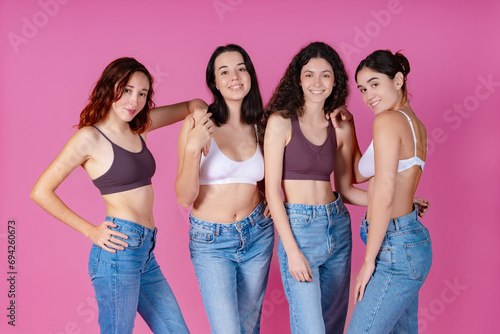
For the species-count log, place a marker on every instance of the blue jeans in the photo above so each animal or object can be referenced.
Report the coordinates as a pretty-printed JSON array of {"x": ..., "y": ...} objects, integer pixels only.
[
  {"x": 232, "y": 262},
  {"x": 390, "y": 302},
  {"x": 323, "y": 234},
  {"x": 130, "y": 281}
]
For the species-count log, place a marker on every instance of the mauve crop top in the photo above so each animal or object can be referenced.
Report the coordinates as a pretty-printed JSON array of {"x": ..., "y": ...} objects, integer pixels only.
[
  {"x": 302, "y": 160},
  {"x": 129, "y": 170}
]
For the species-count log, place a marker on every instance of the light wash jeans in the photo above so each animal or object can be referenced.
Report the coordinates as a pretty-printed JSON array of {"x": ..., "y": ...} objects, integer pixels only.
[
  {"x": 323, "y": 234},
  {"x": 130, "y": 281},
  {"x": 390, "y": 302},
  {"x": 232, "y": 262}
]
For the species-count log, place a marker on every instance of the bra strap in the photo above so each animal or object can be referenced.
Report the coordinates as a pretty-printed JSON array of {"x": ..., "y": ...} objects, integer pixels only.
[
  {"x": 412, "y": 130},
  {"x": 95, "y": 127}
]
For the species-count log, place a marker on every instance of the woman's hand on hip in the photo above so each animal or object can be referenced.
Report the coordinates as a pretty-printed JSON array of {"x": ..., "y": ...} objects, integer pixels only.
[{"x": 106, "y": 238}]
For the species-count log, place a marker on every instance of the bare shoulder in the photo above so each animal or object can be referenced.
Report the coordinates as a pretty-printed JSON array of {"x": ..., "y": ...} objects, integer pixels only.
[
  {"x": 278, "y": 123},
  {"x": 388, "y": 120},
  {"x": 85, "y": 141}
]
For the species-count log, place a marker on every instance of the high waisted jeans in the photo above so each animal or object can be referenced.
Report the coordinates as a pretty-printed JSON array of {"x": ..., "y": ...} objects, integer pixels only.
[
  {"x": 323, "y": 234},
  {"x": 232, "y": 262},
  {"x": 390, "y": 302},
  {"x": 130, "y": 281}
]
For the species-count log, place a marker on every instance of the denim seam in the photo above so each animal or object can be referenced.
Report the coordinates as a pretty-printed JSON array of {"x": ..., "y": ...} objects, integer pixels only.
[
  {"x": 287, "y": 291},
  {"x": 156, "y": 309},
  {"x": 380, "y": 300}
]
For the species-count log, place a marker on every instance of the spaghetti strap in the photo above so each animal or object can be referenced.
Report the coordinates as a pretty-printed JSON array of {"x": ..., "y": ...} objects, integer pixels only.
[
  {"x": 95, "y": 127},
  {"x": 412, "y": 130}
]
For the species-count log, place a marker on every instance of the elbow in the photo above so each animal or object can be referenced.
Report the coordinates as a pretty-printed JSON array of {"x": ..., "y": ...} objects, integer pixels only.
[
  {"x": 185, "y": 200},
  {"x": 35, "y": 194},
  {"x": 185, "y": 204}
]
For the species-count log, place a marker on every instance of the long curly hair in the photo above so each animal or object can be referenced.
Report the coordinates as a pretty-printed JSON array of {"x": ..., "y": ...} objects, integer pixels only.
[
  {"x": 288, "y": 97},
  {"x": 109, "y": 88},
  {"x": 251, "y": 108}
]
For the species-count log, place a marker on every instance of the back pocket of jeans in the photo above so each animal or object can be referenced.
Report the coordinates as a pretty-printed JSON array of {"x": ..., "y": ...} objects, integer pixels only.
[{"x": 420, "y": 258}]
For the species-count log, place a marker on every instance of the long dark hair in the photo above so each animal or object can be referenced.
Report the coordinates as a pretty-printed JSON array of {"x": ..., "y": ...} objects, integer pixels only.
[
  {"x": 383, "y": 61},
  {"x": 251, "y": 109},
  {"x": 104, "y": 94},
  {"x": 289, "y": 97}
]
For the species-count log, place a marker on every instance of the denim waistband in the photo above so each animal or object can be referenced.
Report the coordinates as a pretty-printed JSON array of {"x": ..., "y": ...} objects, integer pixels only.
[
  {"x": 128, "y": 225},
  {"x": 317, "y": 209},
  {"x": 231, "y": 227},
  {"x": 397, "y": 224}
]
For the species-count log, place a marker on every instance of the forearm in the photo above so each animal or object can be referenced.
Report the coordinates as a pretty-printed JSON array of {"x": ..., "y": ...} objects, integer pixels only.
[
  {"x": 51, "y": 203},
  {"x": 280, "y": 220},
  {"x": 187, "y": 184},
  {"x": 354, "y": 196},
  {"x": 380, "y": 209}
]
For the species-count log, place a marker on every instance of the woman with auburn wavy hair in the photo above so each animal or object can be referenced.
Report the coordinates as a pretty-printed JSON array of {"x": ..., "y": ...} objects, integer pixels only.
[{"x": 110, "y": 145}]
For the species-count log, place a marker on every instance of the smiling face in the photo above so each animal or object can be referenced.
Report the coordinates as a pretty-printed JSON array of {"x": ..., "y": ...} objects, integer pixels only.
[
  {"x": 379, "y": 92},
  {"x": 133, "y": 99},
  {"x": 231, "y": 76},
  {"x": 317, "y": 80}
]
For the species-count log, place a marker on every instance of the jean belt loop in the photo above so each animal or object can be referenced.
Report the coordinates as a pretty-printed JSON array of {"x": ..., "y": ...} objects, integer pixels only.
[
  {"x": 217, "y": 229},
  {"x": 396, "y": 224},
  {"x": 313, "y": 212}
]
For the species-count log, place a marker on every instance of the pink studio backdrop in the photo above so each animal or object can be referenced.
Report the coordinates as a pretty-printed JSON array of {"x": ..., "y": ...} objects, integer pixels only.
[{"x": 53, "y": 51}]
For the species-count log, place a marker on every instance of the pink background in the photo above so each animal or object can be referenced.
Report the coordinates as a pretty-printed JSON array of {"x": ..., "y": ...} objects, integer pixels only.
[{"x": 52, "y": 52}]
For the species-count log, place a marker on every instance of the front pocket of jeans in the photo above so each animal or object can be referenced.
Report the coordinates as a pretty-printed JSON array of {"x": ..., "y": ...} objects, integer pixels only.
[
  {"x": 264, "y": 222},
  {"x": 299, "y": 220},
  {"x": 200, "y": 235},
  {"x": 420, "y": 258},
  {"x": 134, "y": 240}
]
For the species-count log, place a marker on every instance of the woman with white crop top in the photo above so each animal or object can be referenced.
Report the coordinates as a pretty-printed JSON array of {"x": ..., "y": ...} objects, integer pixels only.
[
  {"x": 231, "y": 233},
  {"x": 398, "y": 253}
]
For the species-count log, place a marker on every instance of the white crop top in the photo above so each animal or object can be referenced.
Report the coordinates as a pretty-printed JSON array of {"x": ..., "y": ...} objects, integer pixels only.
[
  {"x": 217, "y": 168},
  {"x": 367, "y": 162}
]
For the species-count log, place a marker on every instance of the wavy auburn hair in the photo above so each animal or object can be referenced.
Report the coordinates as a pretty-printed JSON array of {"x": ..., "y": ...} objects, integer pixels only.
[
  {"x": 109, "y": 88},
  {"x": 251, "y": 108},
  {"x": 289, "y": 97}
]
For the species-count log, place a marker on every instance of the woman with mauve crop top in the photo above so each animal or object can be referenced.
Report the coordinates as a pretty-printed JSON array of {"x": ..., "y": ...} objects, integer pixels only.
[
  {"x": 231, "y": 233},
  {"x": 398, "y": 252},
  {"x": 110, "y": 145},
  {"x": 302, "y": 149}
]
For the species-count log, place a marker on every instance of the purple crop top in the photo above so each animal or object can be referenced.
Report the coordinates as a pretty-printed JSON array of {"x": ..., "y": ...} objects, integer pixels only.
[
  {"x": 128, "y": 171},
  {"x": 302, "y": 160}
]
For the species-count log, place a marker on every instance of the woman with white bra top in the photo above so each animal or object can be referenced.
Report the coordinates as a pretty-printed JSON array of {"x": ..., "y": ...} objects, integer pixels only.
[
  {"x": 231, "y": 233},
  {"x": 398, "y": 253}
]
